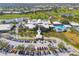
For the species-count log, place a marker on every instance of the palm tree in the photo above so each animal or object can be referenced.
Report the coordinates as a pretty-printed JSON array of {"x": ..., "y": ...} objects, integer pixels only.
[
  {"x": 61, "y": 45},
  {"x": 20, "y": 47},
  {"x": 30, "y": 48},
  {"x": 51, "y": 48},
  {"x": 64, "y": 21},
  {"x": 4, "y": 45}
]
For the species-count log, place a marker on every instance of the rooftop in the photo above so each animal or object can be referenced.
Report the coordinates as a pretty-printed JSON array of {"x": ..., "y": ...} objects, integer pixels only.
[
  {"x": 5, "y": 26},
  {"x": 74, "y": 24}
]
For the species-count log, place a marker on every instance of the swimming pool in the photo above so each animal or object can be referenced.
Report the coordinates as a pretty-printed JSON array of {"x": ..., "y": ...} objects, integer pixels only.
[{"x": 59, "y": 28}]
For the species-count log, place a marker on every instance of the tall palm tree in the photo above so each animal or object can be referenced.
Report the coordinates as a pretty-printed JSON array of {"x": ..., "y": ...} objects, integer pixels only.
[
  {"x": 30, "y": 48},
  {"x": 20, "y": 47},
  {"x": 61, "y": 45},
  {"x": 4, "y": 44},
  {"x": 51, "y": 48}
]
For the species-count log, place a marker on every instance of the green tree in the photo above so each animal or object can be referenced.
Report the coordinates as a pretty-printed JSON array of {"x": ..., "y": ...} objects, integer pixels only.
[
  {"x": 20, "y": 47},
  {"x": 4, "y": 44},
  {"x": 61, "y": 45}
]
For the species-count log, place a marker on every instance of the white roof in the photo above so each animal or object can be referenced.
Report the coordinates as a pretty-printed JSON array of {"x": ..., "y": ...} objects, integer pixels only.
[
  {"x": 46, "y": 22},
  {"x": 51, "y": 25},
  {"x": 45, "y": 25},
  {"x": 68, "y": 26},
  {"x": 5, "y": 26},
  {"x": 56, "y": 22},
  {"x": 28, "y": 21},
  {"x": 39, "y": 36},
  {"x": 30, "y": 26},
  {"x": 16, "y": 12},
  {"x": 71, "y": 8},
  {"x": 6, "y": 12},
  {"x": 34, "y": 21},
  {"x": 74, "y": 23},
  {"x": 39, "y": 21}
]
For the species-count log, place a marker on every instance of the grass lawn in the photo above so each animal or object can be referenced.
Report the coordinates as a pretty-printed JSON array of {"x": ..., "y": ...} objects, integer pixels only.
[
  {"x": 36, "y": 15},
  {"x": 74, "y": 38},
  {"x": 27, "y": 34},
  {"x": 62, "y": 36},
  {"x": 45, "y": 15}
]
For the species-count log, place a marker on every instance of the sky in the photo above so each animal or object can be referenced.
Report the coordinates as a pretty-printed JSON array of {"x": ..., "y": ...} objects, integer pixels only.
[{"x": 39, "y": 1}]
